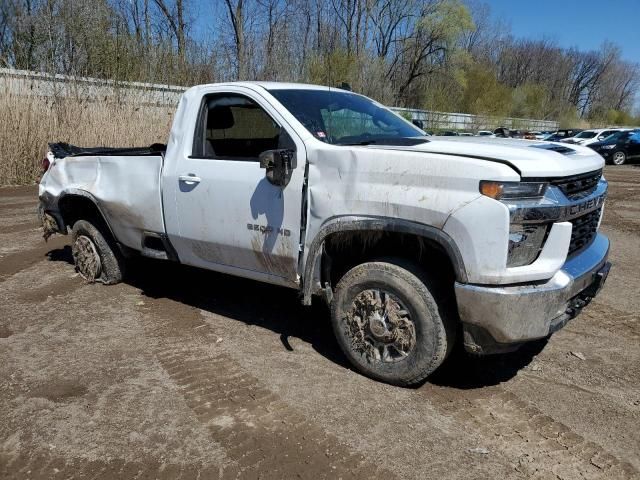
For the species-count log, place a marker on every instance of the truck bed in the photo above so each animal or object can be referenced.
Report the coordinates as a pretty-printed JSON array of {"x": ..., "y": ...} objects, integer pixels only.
[{"x": 124, "y": 182}]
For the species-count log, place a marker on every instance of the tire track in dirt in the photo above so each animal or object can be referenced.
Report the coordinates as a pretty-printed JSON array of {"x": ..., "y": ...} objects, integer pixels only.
[
  {"x": 44, "y": 466},
  {"x": 15, "y": 262},
  {"x": 12, "y": 208},
  {"x": 540, "y": 446},
  {"x": 263, "y": 435},
  {"x": 19, "y": 227},
  {"x": 60, "y": 287}
]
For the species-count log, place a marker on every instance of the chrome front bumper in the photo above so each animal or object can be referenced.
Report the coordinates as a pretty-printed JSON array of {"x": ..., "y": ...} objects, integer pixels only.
[{"x": 498, "y": 316}]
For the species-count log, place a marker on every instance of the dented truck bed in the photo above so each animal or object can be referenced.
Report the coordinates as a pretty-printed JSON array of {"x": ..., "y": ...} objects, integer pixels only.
[{"x": 124, "y": 184}]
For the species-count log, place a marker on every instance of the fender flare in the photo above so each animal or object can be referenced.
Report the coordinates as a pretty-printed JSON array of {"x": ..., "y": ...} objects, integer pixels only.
[
  {"x": 76, "y": 192},
  {"x": 349, "y": 223}
]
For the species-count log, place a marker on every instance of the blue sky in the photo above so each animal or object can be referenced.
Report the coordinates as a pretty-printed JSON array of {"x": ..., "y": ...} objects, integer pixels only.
[{"x": 585, "y": 24}]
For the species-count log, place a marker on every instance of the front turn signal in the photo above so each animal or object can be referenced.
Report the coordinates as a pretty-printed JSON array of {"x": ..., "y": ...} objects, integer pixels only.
[{"x": 513, "y": 190}]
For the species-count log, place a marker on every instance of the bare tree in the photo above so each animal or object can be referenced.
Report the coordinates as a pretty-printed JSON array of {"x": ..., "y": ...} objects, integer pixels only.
[
  {"x": 451, "y": 53},
  {"x": 175, "y": 17},
  {"x": 236, "y": 16}
]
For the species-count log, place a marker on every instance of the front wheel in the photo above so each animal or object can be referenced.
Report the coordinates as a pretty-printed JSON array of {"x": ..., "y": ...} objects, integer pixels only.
[
  {"x": 390, "y": 322},
  {"x": 619, "y": 158}
]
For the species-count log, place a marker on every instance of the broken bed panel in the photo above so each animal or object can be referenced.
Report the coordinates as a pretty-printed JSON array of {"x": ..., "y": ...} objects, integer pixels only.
[{"x": 126, "y": 190}]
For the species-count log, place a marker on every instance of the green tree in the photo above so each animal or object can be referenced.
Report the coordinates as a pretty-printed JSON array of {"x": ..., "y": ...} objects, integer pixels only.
[
  {"x": 483, "y": 94},
  {"x": 531, "y": 101}
]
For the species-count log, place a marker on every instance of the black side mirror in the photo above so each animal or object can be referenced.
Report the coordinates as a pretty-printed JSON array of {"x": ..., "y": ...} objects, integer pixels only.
[
  {"x": 418, "y": 123},
  {"x": 278, "y": 164}
]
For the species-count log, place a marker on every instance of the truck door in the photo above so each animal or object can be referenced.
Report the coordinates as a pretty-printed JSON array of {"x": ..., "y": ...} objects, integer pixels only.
[{"x": 226, "y": 214}]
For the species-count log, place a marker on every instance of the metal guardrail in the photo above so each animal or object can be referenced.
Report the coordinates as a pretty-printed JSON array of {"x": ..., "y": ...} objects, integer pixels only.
[
  {"x": 25, "y": 82},
  {"x": 469, "y": 122}
]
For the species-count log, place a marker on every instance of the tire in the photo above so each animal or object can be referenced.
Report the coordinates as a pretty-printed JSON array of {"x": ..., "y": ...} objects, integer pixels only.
[
  {"x": 402, "y": 288},
  {"x": 618, "y": 158},
  {"x": 96, "y": 259}
]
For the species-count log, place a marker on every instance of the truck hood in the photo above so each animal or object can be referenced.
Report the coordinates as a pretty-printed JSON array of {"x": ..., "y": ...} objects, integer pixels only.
[{"x": 530, "y": 158}]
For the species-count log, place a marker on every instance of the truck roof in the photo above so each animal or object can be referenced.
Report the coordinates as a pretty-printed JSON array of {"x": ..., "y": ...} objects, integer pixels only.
[{"x": 277, "y": 85}]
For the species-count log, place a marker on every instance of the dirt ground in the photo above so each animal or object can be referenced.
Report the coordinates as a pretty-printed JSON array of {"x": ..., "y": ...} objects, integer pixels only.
[{"x": 181, "y": 373}]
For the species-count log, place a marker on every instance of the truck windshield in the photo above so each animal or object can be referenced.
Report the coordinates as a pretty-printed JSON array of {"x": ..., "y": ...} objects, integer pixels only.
[{"x": 343, "y": 118}]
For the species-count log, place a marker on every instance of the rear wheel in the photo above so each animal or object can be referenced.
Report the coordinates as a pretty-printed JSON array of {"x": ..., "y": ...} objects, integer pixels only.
[
  {"x": 390, "y": 322},
  {"x": 95, "y": 258},
  {"x": 619, "y": 158}
]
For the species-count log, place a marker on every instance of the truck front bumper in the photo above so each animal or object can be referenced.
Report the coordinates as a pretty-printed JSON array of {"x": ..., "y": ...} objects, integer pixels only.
[{"x": 500, "y": 318}]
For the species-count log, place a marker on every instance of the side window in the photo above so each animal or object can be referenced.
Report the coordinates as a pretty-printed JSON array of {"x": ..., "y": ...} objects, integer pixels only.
[
  {"x": 635, "y": 137},
  {"x": 605, "y": 134},
  {"x": 234, "y": 127}
]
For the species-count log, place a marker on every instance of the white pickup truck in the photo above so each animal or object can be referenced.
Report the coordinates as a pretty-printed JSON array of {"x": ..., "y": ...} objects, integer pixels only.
[{"x": 415, "y": 242}]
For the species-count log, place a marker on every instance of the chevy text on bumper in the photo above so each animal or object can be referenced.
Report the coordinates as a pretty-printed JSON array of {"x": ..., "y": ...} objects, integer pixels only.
[{"x": 499, "y": 318}]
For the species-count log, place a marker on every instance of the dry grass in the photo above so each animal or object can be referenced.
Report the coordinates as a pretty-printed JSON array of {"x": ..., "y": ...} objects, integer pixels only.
[{"x": 28, "y": 123}]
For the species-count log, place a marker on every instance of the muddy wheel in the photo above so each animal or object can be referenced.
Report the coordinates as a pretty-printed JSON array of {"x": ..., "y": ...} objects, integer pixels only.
[
  {"x": 388, "y": 322},
  {"x": 94, "y": 257}
]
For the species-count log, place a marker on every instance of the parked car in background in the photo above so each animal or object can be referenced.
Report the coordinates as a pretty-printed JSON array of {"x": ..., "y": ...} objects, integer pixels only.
[
  {"x": 448, "y": 133},
  {"x": 485, "y": 133},
  {"x": 501, "y": 132},
  {"x": 466, "y": 134},
  {"x": 420, "y": 125},
  {"x": 619, "y": 147},
  {"x": 538, "y": 135},
  {"x": 560, "y": 135},
  {"x": 587, "y": 137}
]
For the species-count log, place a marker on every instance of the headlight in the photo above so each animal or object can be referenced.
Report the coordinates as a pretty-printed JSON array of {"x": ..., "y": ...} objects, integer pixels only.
[
  {"x": 607, "y": 147},
  {"x": 511, "y": 190},
  {"x": 525, "y": 242}
]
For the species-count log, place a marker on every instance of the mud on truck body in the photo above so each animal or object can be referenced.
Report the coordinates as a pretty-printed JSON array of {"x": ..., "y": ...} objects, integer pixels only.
[{"x": 415, "y": 242}]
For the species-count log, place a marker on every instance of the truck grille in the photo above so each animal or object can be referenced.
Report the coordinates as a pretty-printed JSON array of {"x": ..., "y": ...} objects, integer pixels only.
[
  {"x": 578, "y": 186},
  {"x": 584, "y": 231}
]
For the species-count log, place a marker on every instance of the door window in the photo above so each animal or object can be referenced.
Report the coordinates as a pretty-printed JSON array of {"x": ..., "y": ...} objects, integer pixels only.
[
  {"x": 605, "y": 134},
  {"x": 234, "y": 127}
]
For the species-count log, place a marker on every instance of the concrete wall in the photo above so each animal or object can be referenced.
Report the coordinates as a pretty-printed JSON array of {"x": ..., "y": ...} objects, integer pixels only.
[{"x": 22, "y": 82}]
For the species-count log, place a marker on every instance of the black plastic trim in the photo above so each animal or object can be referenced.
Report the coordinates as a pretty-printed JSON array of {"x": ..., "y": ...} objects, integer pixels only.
[{"x": 352, "y": 223}]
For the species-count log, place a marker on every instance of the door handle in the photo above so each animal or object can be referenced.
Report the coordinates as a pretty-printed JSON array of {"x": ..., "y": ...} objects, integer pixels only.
[{"x": 189, "y": 179}]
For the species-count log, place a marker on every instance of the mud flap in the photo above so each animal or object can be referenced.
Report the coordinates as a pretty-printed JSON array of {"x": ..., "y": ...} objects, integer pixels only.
[{"x": 49, "y": 224}]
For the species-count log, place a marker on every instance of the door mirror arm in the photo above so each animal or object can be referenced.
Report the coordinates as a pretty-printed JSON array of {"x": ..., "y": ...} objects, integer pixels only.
[{"x": 278, "y": 165}]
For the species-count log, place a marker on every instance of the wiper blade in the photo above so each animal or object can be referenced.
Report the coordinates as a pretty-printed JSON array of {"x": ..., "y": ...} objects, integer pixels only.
[
  {"x": 364, "y": 142},
  {"x": 400, "y": 141}
]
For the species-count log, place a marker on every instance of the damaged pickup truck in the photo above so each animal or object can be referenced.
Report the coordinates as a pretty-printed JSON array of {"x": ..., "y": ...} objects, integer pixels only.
[{"x": 415, "y": 242}]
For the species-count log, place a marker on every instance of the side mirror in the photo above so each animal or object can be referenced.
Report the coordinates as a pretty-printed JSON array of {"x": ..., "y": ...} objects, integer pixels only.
[
  {"x": 278, "y": 164},
  {"x": 418, "y": 123}
]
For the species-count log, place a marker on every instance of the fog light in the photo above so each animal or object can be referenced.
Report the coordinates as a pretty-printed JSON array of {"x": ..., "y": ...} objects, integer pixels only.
[{"x": 525, "y": 242}]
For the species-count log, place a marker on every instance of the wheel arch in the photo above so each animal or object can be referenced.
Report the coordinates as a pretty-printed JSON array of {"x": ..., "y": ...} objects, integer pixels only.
[
  {"x": 313, "y": 266},
  {"x": 76, "y": 204}
]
